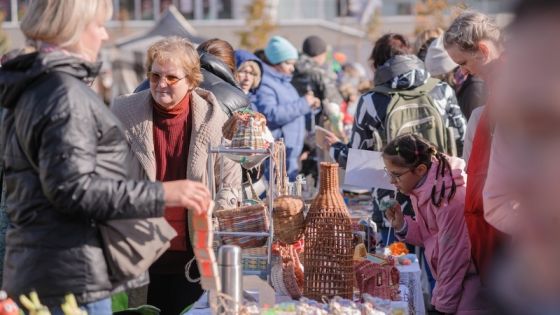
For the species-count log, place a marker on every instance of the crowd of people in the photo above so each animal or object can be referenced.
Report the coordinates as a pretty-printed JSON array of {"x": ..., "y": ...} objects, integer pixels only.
[{"x": 465, "y": 119}]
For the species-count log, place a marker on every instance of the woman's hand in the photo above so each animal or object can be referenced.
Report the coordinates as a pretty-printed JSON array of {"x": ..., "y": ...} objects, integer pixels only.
[
  {"x": 395, "y": 216},
  {"x": 187, "y": 194}
]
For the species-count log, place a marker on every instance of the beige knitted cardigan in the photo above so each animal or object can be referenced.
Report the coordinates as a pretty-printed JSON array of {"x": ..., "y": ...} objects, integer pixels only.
[{"x": 136, "y": 113}]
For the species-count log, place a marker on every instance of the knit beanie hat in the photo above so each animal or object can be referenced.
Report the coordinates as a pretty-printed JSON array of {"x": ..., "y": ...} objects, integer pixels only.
[
  {"x": 279, "y": 49},
  {"x": 437, "y": 60},
  {"x": 314, "y": 45}
]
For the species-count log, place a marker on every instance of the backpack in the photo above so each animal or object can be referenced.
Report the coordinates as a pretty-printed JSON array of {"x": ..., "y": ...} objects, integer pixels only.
[{"x": 414, "y": 111}]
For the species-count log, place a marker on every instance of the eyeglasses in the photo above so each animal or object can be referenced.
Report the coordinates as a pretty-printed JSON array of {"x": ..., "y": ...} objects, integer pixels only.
[
  {"x": 396, "y": 177},
  {"x": 155, "y": 78},
  {"x": 247, "y": 73}
]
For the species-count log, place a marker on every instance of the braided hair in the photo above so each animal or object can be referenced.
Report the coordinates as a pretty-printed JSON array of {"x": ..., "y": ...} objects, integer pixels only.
[{"x": 414, "y": 151}]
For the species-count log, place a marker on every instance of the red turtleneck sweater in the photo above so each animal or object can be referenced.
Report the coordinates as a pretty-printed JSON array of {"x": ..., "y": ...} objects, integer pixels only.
[{"x": 172, "y": 132}]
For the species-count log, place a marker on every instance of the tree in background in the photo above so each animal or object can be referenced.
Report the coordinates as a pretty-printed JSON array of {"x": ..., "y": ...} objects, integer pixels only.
[
  {"x": 374, "y": 25},
  {"x": 4, "y": 41},
  {"x": 259, "y": 25},
  {"x": 431, "y": 14}
]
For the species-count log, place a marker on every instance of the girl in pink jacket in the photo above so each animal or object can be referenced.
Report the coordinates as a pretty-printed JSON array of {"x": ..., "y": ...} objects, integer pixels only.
[{"x": 436, "y": 186}]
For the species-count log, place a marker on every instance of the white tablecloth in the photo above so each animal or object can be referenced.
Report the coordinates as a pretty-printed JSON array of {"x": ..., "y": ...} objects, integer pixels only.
[{"x": 411, "y": 279}]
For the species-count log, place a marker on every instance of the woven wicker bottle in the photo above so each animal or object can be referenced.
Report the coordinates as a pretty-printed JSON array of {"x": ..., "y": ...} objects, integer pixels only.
[{"x": 328, "y": 251}]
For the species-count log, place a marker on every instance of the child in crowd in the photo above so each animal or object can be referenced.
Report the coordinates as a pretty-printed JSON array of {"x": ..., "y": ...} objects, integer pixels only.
[{"x": 435, "y": 184}]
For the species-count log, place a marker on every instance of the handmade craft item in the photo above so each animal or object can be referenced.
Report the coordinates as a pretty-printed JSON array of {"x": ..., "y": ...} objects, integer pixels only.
[{"x": 328, "y": 241}]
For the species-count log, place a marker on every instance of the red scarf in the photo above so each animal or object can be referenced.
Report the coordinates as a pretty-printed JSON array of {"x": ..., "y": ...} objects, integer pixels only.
[
  {"x": 485, "y": 239},
  {"x": 172, "y": 133}
]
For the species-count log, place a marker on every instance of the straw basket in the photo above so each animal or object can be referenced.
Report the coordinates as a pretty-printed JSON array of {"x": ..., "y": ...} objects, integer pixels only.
[
  {"x": 244, "y": 219},
  {"x": 328, "y": 251},
  {"x": 379, "y": 280},
  {"x": 287, "y": 272},
  {"x": 289, "y": 220}
]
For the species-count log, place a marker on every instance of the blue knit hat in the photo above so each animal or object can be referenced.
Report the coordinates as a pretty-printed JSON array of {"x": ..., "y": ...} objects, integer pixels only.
[{"x": 280, "y": 49}]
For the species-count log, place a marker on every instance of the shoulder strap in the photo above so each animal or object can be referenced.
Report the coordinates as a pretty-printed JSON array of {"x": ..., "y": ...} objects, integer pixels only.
[{"x": 422, "y": 89}]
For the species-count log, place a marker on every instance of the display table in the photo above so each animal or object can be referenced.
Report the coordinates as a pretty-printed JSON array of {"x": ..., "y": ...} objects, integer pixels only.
[{"x": 410, "y": 288}]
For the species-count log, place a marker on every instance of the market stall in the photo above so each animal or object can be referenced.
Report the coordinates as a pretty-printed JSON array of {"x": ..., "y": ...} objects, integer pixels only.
[{"x": 312, "y": 254}]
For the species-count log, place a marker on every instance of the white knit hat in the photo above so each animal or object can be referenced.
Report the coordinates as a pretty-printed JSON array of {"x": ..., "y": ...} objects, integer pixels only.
[{"x": 437, "y": 60}]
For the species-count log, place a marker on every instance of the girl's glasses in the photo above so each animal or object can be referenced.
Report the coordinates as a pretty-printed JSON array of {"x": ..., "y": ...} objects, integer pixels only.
[
  {"x": 396, "y": 177},
  {"x": 155, "y": 78}
]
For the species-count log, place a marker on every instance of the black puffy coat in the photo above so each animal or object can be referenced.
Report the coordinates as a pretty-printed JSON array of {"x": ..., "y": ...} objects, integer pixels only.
[
  {"x": 66, "y": 168},
  {"x": 218, "y": 79}
]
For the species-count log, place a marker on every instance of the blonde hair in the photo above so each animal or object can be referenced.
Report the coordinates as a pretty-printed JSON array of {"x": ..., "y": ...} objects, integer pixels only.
[
  {"x": 469, "y": 28},
  {"x": 62, "y": 22},
  {"x": 256, "y": 71},
  {"x": 179, "y": 51}
]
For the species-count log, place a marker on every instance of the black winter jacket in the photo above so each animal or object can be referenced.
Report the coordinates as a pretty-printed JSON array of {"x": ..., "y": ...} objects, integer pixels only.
[
  {"x": 66, "y": 169},
  {"x": 218, "y": 79}
]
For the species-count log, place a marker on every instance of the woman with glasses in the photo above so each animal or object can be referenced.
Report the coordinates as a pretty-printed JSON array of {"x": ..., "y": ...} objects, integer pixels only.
[
  {"x": 436, "y": 185},
  {"x": 169, "y": 128}
]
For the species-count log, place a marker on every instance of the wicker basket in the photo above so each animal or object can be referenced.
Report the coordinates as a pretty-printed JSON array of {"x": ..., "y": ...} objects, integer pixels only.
[
  {"x": 289, "y": 220},
  {"x": 378, "y": 279},
  {"x": 287, "y": 272},
  {"x": 244, "y": 219},
  {"x": 328, "y": 251},
  {"x": 248, "y": 129}
]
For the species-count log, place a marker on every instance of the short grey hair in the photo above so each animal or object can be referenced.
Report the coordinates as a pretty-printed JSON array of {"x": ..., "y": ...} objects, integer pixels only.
[{"x": 469, "y": 28}]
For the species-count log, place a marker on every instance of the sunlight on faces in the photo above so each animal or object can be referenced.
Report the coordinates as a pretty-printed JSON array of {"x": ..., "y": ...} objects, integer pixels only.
[
  {"x": 404, "y": 179},
  {"x": 474, "y": 62},
  {"x": 92, "y": 38},
  {"x": 168, "y": 95},
  {"x": 286, "y": 67},
  {"x": 246, "y": 78}
]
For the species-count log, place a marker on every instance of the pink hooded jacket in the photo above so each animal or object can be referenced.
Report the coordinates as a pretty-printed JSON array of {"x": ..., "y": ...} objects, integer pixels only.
[{"x": 443, "y": 234}]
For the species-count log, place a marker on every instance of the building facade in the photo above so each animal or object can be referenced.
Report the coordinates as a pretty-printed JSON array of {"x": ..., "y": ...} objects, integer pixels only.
[{"x": 342, "y": 23}]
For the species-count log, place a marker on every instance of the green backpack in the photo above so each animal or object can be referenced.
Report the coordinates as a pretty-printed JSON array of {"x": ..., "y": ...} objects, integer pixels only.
[{"x": 414, "y": 111}]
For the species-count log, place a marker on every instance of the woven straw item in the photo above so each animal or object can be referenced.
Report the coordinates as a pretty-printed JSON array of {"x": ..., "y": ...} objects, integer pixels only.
[
  {"x": 328, "y": 251},
  {"x": 379, "y": 280},
  {"x": 244, "y": 219},
  {"x": 289, "y": 220},
  {"x": 249, "y": 130}
]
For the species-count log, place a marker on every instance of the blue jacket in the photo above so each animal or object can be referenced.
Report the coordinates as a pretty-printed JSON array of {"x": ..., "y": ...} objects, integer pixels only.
[{"x": 284, "y": 110}]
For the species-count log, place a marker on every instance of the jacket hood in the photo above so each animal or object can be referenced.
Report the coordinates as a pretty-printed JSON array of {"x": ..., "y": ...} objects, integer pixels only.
[
  {"x": 242, "y": 55},
  {"x": 424, "y": 192},
  {"x": 271, "y": 72},
  {"x": 217, "y": 67},
  {"x": 402, "y": 72},
  {"x": 306, "y": 64},
  {"x": 17, "y": 74}
]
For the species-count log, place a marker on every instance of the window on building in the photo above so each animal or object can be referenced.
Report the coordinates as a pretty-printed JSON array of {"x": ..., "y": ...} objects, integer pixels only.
[
  {"x": 125, "y": 10},
  {"x": 6, "y": 10},
  {"x": 147, "y": 10},
  {"x": 186, "y": 7},
  {"x": 224, "y": 9},
  {"x": 165, "y": 4},
  {"x": 350, "y": 7},
  {"x": 404, "y": 9},
  {"x": 22, "y": 8}
]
